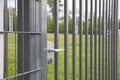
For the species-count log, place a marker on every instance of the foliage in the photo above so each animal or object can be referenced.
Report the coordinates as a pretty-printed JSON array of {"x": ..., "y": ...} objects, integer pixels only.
[
  {"x": 89, "y": 26},
  {"x": 119, "y": 24},
  {"x": 84, "y": 27},
  {"x": 51, "y": 5},
  {"x": 61, "y": 26},
  {"x": 70, "y": 25},
  {"x": 15, "y": 20},
  {"x": 50, "y": 25}
]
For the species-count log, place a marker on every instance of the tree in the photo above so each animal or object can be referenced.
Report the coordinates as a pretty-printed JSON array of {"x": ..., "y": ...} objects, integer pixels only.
[
  {"x": 50, "y": 25},
  {"x": 51, "y": 5},
  {"x": 70, "y": 24},
  {"x": 119, "y": 24}
]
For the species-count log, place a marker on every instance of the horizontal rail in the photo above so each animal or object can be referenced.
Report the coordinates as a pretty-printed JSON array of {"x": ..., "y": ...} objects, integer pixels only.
[
  {"x": 19, "y": 32},
  {"x": 22, "y": 74}
]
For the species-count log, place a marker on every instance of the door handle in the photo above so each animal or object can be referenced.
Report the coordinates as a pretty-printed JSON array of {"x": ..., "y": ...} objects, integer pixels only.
[{"x": 54, "y": 50}]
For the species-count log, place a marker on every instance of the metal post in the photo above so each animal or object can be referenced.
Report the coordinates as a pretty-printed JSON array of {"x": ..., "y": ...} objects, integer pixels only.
[
  {"x": 41, "y": 40},
  {"x": 91, "y": 40},
  {"x": 116, "y": 36},
  {"x": 95, "y": 42},
  {"x": 99, "y": 48},
  {"x": 103, "y": 37},
  {"x": 109, "y": 39},
  {"x": 113, "y": 40},
  {"x": 32, "y": 53},
  {"x": 5, "y": 39},
  {"x": 112, "y": 7},
  {"x": 23, "y": 40},
  {"x": 80, "y": 38},
  {"x": 1, "y": 38},
  {"x": 74, "y": 40},
  {"x": 66, "y": 39},
  {"x": 56, "y": 39},
  {"x": 86, "y": 39},
  {"x": 106, "y": 42},
  {"x": 117, "y": 28}
]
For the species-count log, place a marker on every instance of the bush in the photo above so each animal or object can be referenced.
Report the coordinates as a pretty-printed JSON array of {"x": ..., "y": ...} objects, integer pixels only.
[
  {"x": 61, "y": 27},
  {"x": 50, "y": 25}
]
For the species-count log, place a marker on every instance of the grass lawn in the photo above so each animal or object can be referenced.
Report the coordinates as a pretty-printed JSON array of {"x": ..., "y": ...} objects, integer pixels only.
[{"x": 11, "y": 48}]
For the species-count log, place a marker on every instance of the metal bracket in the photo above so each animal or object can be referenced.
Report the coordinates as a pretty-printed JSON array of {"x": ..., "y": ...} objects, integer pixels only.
[{"x": 54, "y": 50}]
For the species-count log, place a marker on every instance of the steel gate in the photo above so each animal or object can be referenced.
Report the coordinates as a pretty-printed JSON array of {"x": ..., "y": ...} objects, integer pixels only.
[
  {"x": 92, "y": 53},
  {"x": 88, "y": 52}
]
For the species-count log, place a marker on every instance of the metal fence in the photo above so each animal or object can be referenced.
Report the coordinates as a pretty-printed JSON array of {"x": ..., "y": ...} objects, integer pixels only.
[
  {"x": 90, "y": 54},
  {"x": 25, "y": 42}
]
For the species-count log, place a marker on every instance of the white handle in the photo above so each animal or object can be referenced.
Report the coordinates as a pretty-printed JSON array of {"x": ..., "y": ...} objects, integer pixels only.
[{"x": 55, "y": 50}]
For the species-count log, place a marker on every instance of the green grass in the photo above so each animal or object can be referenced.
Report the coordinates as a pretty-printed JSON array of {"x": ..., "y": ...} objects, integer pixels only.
[{"x": 61, "y": 57}]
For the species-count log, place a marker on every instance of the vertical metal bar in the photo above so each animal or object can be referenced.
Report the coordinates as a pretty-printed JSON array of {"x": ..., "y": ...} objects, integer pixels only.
[
  {"x": 116, "y": 35},
  {"x": 22, "y": 29},
  {"x": 38, "y": 43},
  {"x": 23, "y": 39},
  {"x": 74, "y": 40},
  {"x": 95, "y": 42},
  {"x": 41, "y": 26},
  {"x": 66, "y": 39},
  {"x": 106, "y": 43},
  {"x": 113, "y": 45},
  {"x": 56, "y": 40},
  {"x": 86, "y": 40},
  {"x": 80, "y": 38},
  {"x": 2, "y": 39},
  {"x": 20, "y": 40},
  {"x": 99, "y": 50},
  {"x": 109, "y": 44},
  {"x": 25, "y": 45},
  {"x": 115, "y": 39},
  {"x": 103, "y": 40},
  {"x": 91, "y": 40},
  {"x": 26, "y": 42},
  {"x": 112, "y": 38},
  {"x": 5, "y": 39},
  {"x": 15, "y": 62},
  {"x": 15, "y": 43},
  {"x": 117, "y": 28}
]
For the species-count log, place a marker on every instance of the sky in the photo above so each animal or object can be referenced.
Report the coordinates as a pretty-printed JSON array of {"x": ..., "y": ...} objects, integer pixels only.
[
  {"x": 11, "y": 4},
  {"x": 77, "y": 6}
]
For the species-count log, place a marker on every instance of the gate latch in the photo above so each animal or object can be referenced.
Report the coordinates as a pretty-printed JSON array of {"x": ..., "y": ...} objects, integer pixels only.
[{"x": 54, "y": 50}]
